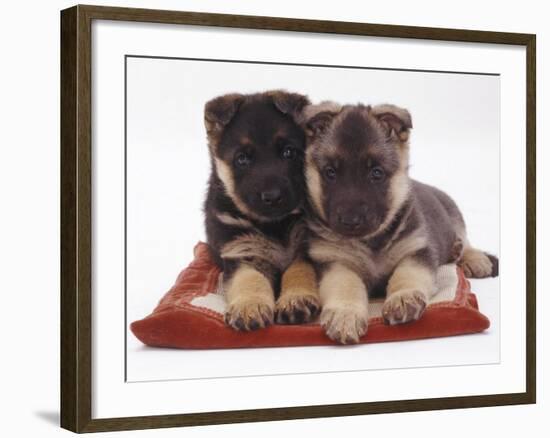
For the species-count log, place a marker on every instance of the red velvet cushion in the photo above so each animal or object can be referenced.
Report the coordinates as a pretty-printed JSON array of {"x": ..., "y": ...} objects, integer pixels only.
[{"x": 177, "y": 323}]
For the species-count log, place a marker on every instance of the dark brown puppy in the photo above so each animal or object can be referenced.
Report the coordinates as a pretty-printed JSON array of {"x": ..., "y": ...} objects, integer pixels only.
[
  {"x": 374, "y": 228},
  {"x": 254, "y": 207}
]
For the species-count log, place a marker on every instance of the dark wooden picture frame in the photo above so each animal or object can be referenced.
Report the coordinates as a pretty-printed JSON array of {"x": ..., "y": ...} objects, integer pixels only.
[{"x": 76, "y": 217}]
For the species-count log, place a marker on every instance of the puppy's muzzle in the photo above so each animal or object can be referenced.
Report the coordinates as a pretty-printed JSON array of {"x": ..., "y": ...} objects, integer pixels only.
[
  {"x": 350, "y": 219},
  {"x": 273, "y": 199},
  {"x": 272, "y": 196}
]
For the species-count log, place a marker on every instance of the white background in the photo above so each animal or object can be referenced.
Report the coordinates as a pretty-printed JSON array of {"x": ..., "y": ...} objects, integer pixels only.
[
  {"x": 454, "y": 146},
  {"x": 30, "y": 220}
]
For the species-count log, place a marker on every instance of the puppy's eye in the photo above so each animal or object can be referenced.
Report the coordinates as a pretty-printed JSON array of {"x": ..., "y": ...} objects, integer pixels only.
[
  {"x": 289, "y": 153},
  {"x": 377, "y": 174},
  {"x": 330, "y": 173},
  {"x": 242, "y": 159}
]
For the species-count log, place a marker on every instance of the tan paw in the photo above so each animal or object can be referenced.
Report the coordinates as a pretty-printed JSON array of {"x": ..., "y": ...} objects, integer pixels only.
[
  {"x": 345, "y": 325},
  {"x": 249, "y": 314},
  {"x": 477, "y": 264},
  {"x": 404, "y": 306},
  {"x": 296, "y": 308}
]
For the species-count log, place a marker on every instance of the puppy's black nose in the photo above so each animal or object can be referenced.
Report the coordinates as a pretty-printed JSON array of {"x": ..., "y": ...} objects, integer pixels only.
[
  {"x": 351, "y": 221},
  {"x": 271, "y": 197}
]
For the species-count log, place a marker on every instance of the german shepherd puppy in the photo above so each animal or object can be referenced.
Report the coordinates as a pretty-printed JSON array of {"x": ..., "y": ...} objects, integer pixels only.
[
  {"x": 254, "y": 207},
  {"x": 374, "y": 229}
]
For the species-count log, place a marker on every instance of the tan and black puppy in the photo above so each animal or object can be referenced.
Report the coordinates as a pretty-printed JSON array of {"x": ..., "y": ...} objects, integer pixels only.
[
  {"x": 254, "y": 208},
  {"x": 374, "y": 229}
]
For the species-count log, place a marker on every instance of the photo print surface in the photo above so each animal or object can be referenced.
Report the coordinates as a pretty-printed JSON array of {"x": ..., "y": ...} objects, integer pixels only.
[{"x": 454, "y": 146}]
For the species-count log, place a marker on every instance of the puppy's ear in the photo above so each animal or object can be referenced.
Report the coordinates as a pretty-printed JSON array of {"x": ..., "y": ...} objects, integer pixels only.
[
  {"x": 319, "y": 123},
  {"x": 219, "y": 111},
  {"x": 317, "y": 118},
  {"x": 290, "y": 103},
  {"x": 397, "y": 121}
]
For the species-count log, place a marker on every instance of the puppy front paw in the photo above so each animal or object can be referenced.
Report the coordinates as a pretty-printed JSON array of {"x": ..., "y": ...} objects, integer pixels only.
[
  {"x": 404, "y": 306},
  {"x": 296, "y": 308},
  {"x": 249, "y": 314},
  {"x": 346, "y": 324}
]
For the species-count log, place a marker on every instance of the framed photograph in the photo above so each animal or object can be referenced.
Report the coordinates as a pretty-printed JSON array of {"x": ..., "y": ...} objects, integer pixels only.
[{"x": 268, "y": 218}]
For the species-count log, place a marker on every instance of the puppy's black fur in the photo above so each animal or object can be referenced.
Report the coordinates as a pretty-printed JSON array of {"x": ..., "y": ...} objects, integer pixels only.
[{"x": 253, "y": 209}]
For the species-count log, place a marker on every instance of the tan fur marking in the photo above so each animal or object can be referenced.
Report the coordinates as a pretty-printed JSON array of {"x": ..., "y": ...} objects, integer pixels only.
[
  {"x": 404, "y": 136},
  {"x": 299, "y": 278},
  {"x": 250, "y": 299},
  {"x": 314, "y": 186},
  {"x": 408, "y": 292},
  {"x": 404, "y": 152},
  {"x": 358, "y": 256},
  {"x": 344, "y": 301},
  {"x": 412, "y": 274},
  {"x": 403, "y": 247},
  {"x": 225, "y": 174},
  {"x": 299, "y": 293},
  {"x": 399, "y": 191},
  {"x": 475, "y": 263},
  {"x": 354, "y": 254},
  {"x": 227, "y": 219}
]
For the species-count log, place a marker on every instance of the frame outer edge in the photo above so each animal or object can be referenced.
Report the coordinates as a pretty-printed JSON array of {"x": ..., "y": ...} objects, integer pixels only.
[
  {"x": 76, "y": 220},
  {"x": 531, "y": 212},
  {"x": 84, "y": 217},
  {"x": 303, "y": 25},
  {"x": 76, "y": 186},
  {"x": 68, "y": 231}
]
